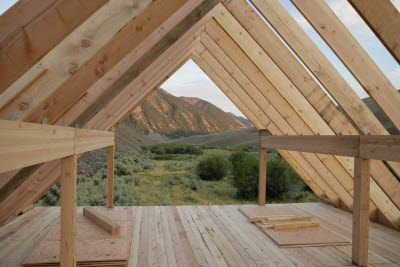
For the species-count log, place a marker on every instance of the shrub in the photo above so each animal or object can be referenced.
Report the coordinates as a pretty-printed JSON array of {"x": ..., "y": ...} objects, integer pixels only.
[
  {"x": 245, "y": 175},
  {"x": 165, "y": 202},
  {"x": 161, "y": 149},
  {"x": 214, "y": 167}
]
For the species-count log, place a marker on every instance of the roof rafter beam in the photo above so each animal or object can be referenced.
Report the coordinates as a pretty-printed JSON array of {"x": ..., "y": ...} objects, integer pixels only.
[
  {"x": 256, "y": 122},
  {"x": 384, "y": 20},
  {"x": 318, "y": 64},
  {"x": 312, "y": 92},
  {"x": 353, "y": 56}
]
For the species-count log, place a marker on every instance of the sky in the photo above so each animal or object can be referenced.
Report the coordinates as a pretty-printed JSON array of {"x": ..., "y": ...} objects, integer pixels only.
[{"x": 191, "y": 81}]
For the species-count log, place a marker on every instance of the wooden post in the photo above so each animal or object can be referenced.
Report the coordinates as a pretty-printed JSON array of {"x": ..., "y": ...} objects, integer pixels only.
[
  {"x": 360, "y": 211},
  {"x": 262, "y": 176},
  {"x": 110, "y": 176},
  {"x": 68, "y": 212}
]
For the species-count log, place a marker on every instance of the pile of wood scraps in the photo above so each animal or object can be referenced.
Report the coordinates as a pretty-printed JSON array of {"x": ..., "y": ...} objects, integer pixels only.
[
  {"x": 289, "y": 227},
  {"x": 287, "y": 222},
  {"x": 103, "y": 239}
]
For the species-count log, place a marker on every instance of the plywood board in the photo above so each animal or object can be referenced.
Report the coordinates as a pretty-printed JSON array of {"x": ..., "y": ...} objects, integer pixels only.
[
  {"x": 94, "y": 245},
  {"x": 310, "y": 236}
]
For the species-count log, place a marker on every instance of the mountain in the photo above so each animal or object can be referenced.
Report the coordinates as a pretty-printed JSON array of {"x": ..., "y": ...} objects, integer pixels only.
[
  {"x": 175, "y": 117},
  {"x": 245, "y": 121}
]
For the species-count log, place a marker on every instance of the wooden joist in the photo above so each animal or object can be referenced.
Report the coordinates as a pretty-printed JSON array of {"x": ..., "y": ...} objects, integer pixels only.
[
  {"x": 290, "y": 225},
  {"x": 358, "y": 146},
  {"x": 353, "y": 56},
  {"x": 110, "y": 176},
  {"x": 384, "y": 20},
  {"x": 101, "y": 220},
  {"x": 262, "y": 176},
  {"x": 24, "y": 144}
]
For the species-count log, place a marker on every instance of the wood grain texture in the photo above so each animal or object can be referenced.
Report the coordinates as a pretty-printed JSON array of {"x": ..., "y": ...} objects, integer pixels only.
[
  {"x": 353, "y": 56},
  {"x": 30, "y": 29},
  {"x": 384, "y": 20},
  {"x": 360, "y": 233},
  {"x": 110, "y": 176},
  {"x": 262, "y": 176},
  {"x": 72, "y": 52},
  {"x": 147, "y": 59},
  {"x": 101, "y": 220},
  {"x": 68, "y": 212}
]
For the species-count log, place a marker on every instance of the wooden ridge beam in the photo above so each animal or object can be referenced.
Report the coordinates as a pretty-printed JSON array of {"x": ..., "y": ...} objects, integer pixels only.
[
  {"x": 115, "y": 58},
  {"x": 261, "y": 112},
  {"x": 353, "y": 56},
  {"x": 31, "y": 28},
  {"x": 255, "y": 121},
  {"x": 25, "y": 144},
  {"x": 72, "y": 52},
  {"x": 48, "y": 174},
  {"x": 384, "y": 20},
  {"x": 318, "y": 64}
]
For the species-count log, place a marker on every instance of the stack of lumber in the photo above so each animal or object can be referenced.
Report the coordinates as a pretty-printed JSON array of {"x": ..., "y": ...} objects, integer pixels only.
[
  {"x": 287, "y": 222},
  {"x": 289, "y": 227},
  {"x": 96, "y": 246}
]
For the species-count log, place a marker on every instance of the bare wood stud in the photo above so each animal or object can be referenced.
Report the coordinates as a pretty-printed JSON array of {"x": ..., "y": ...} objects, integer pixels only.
[
  {"x": 110, "y": 176},
  {"x": 360, "y": 211},
  {"x": 262, "y": 176},
  {"x": 68, "y": 212}
]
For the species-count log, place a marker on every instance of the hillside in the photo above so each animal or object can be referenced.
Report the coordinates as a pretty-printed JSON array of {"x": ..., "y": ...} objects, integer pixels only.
[
  {"x": 379, "y": 114},
  {"x": 237, "y": 138},
  {"x": 174, "y": 117},
  {"x": 243, "y": 120}
]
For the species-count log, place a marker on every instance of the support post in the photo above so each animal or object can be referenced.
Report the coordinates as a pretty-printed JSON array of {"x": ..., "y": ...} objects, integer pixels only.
[
  {"x": 68, "y": 212},
  {"x": 110, "y": 176},
  {"x": 360, "y": 211},
  {"x": 262, "y": 176}
]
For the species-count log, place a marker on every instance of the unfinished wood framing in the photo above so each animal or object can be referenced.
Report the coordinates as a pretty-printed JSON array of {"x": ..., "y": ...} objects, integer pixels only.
[
  {"x": 384, "y": 20},
  {"x": 110, "y": 176},
  {"x": 101, "y": 220},
  {"x": 262, "y": 176},
  {"x": 360, "y": 212},
  {"x": 24, "y": 144},
  {"x": 68, "y": 211},
  {"x": 99, "y": 60}
]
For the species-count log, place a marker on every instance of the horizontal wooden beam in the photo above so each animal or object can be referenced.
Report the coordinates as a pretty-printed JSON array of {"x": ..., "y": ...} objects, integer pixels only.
[
  {"x": 359, "y": 146},
  {"x": 101, "y": 220},
  {"x": 24, "y": 144}
]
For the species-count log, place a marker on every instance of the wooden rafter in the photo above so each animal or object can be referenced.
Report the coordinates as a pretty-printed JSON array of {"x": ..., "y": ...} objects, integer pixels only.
[
  {"x": 70, "y": 54},
  {"x": 255, "y": 121},
  {"x": 318, "y": 64},
  {"x": 257, "y": 55},
  {"x": 353, "y": 56},
  {"x": 261, "y": 112},
  {"x": 384, "y": 20},
  {"x": 311, "y": 91},
  {"x": 48, "y": 174},
  {"x": 108, "y": 65},
  {"x": 31, "y": 28}
]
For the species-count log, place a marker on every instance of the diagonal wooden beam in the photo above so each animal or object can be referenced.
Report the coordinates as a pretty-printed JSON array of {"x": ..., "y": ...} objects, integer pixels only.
[
  {"x": 48, "y": 174},
  {"x": 135, "y": 70},
  {"x": 353, "y": 56},
  {"x": 261, "y": 109},
  {"x": 311, "y": 91},
  {"x": 114, "y": 59},
  {"x": 384, "y": 20},
  {"x": 318, "y": 64},
  {"x": 31, "y": 28},
  {"x": 256, "y": 122},
  {"x": 70, "y": 54}
]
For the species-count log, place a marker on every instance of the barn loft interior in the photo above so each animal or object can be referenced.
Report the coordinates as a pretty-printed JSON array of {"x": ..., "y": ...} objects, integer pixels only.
[{"x": 72, "y": 70}]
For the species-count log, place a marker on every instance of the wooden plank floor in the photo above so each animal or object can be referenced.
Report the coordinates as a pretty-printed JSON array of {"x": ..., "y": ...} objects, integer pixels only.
[{"x": 210, "y": 236}]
